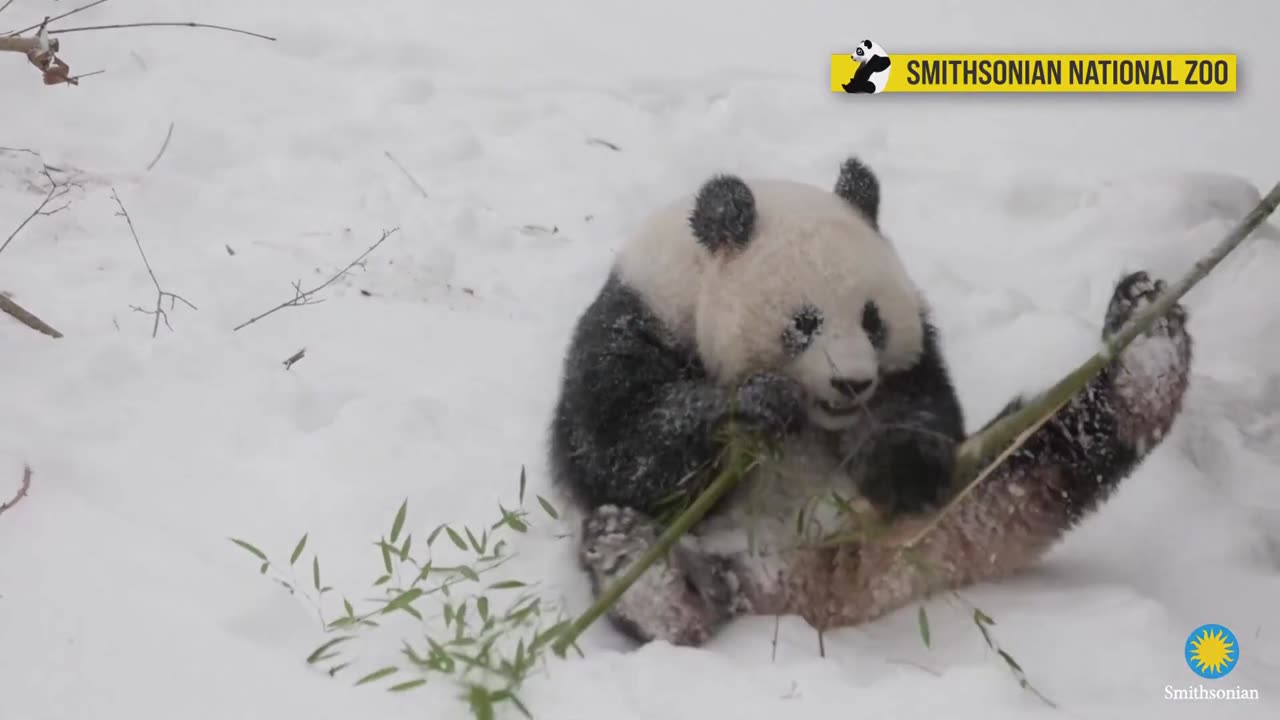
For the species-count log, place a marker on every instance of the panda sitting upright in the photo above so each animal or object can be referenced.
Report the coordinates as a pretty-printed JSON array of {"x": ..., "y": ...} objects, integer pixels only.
[
  {"x": 872, "y": 60},
  {"x": 780, "y": 305}
]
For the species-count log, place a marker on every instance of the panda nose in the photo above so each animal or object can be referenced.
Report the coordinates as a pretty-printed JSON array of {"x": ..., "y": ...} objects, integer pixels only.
[{"x": 849, "y": 387}]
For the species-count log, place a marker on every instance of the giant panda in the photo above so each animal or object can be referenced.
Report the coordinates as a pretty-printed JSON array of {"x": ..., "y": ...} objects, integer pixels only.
[{"x": 780, "y": 306}]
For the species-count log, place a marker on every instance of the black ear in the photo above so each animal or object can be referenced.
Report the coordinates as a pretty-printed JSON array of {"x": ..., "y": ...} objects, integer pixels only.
[
  {"x": 866, "y": 44},
  {"x": 724, "y": 213},
  {"x": 860, "y": 188}
]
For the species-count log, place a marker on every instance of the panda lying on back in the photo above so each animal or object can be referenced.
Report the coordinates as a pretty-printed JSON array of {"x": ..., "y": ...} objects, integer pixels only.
[{"x": 781, "y": 305}]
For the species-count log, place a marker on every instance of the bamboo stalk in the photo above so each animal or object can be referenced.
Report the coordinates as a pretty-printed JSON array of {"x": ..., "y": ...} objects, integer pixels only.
[
  {"x": 740, "y": 462},
  {"x": 24, "y": 44}
]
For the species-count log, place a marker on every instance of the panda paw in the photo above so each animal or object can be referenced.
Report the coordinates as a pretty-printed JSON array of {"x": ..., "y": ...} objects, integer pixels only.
[
  {"x": 681, "y": 599},
  {"x": 769, "y": 403},
  {"x": 906, "y": 472},
  {"x": 1165, "y": 347}
]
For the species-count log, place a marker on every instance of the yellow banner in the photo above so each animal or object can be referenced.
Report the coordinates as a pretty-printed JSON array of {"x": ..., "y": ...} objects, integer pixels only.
[{"x": 1031, "y": 73}]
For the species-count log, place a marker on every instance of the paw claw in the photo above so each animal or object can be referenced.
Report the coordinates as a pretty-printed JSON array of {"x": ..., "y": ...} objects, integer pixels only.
[{"x": 1134, "y": 292}]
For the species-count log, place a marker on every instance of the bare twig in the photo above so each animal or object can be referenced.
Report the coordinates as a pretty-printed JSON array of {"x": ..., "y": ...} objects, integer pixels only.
[
  {"x": 412, "y": 179},
  {"x": 163, "y": 147},
  {"x": 288, "y": 363},
  {"x": 604, "y": 143},
  {"x": 22, "y": 490},
  {"x": 69, "y": 13},
  {"x": 306, "y": 297},
  {"x": 5, "y": 6},
  {"x": 56, "y": 191},
  {"x": 161, "y": 293},
  {"x": 75, "y": 79},
  {"x": 25, "y": 317},
  {"x": 164, "y": 24}
]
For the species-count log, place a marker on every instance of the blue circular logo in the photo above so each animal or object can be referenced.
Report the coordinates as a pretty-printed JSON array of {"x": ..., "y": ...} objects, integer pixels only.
[{"x": 1212, "y": 651}]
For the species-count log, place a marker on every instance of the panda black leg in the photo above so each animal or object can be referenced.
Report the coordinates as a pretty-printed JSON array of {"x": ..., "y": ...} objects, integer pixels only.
[{"x": 682, "y": 599}]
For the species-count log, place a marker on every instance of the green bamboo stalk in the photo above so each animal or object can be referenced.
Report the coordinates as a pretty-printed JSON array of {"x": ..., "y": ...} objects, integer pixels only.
[
  {"x": 739, "y": 462},
  {"x": 1003, "y": 436}
]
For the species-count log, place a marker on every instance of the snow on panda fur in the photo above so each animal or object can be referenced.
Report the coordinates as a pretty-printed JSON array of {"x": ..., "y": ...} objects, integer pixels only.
[{"x": 782, "y": 305}]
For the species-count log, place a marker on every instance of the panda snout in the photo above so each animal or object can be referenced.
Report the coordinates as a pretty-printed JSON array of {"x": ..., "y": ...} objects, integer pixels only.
[{"x": 851, "y": 387}]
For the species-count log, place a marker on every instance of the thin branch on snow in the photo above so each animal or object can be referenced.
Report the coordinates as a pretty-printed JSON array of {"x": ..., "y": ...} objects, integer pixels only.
[
  {"x": 25, "y": 317},
  {"x": 164, "y": 24},
  {"x": 6, "y": 5},
  {"x": 163, "y": 147},
  {"x": 307, "y": 297},
  {"x": 161, "y": 293},
  {"x": 42, "y": 50},
  {"x": 56, "y": 191},
  {"x": 288, "y": 363},
  {"x": 56, "y": 18},
  {"x": 22, "y": 490},
  {"x": 412, "y": 179}
]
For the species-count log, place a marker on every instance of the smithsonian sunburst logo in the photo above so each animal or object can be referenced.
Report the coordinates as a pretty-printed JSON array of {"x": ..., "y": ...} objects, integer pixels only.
[{"x": 1212, "y": 652}]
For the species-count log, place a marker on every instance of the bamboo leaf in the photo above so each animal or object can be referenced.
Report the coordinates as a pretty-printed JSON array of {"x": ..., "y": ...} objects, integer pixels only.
[
  {"x": 455, "y": 537},
  {"x": 297, "y": 550},
  {"x": 402, "y": 600},
  {"x": 398, "y": 523},
  {"x": 377, "y": 674},
  {"x": 315, "y": 654},
  {"x": 257, "y": 553},
  {"x": 408, "y": 685},
  {"x": 506, "y": 585},
  {"x": 548, "y": 508},
  {"x": 923, "y": 619}
]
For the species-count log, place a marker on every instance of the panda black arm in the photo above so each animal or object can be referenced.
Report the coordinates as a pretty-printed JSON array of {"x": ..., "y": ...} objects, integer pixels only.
[
  {"x": 905, "y": 459},
  {"x": 637, "y": 413}
]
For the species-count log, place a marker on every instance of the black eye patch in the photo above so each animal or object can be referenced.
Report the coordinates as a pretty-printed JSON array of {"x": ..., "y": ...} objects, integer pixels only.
[
  {"x": 799, "y": 333},
  {"x": 874, "y": 326}
]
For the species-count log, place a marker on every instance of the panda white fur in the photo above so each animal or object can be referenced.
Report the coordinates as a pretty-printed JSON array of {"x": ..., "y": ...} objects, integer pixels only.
[{"x": 780, "y": 305}]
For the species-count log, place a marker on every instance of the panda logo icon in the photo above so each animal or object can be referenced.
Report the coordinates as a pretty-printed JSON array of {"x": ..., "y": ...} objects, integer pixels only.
[{"x": 873, "y": 69}]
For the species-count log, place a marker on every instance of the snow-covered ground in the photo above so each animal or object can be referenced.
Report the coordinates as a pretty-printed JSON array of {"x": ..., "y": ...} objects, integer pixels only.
[{"x": 429, "y": 372}]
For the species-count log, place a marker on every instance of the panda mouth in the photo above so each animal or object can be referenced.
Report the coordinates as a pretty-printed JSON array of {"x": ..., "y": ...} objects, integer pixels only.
[{"x": 838, "y": 410}]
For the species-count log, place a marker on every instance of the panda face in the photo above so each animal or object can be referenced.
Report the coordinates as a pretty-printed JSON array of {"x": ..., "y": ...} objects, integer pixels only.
[
  {"x": 812, "y": 292},
  {"x": 867, "y": 50}
]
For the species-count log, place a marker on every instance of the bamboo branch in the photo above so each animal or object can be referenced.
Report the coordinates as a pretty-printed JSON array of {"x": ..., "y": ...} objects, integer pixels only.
[
  {"x": 740, "y": 461},
  {"x": 1008, "y": 434},
  {"x": 25, "y": 317},
  {"x": 24, "y": 44}
]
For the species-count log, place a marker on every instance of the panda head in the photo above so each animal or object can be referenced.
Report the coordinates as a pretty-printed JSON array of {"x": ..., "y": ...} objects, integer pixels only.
[
  {"x": 868, "y": 49},
  {"x": 797, "y": 280}
]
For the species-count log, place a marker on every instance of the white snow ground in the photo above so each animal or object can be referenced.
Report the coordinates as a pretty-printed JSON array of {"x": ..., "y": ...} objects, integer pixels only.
[{"x": 120, "y": 596}]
